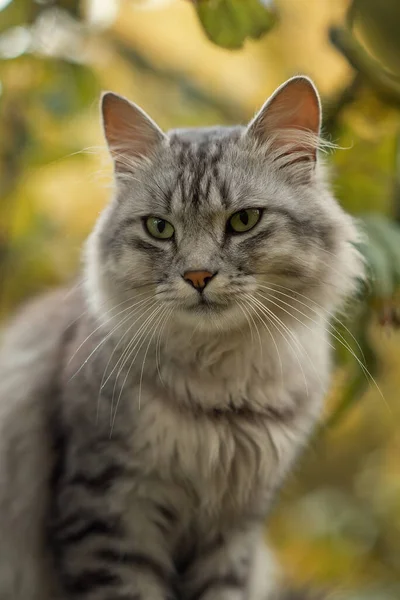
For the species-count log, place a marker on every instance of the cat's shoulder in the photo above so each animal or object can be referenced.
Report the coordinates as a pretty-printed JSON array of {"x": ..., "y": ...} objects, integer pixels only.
[
  {"x": 31, "y": 346},
  {"x": 40, "y": 320}
]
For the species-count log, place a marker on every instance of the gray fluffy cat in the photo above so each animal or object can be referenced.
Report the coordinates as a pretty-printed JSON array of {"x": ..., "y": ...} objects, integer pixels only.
[{"x": 148, "y": 417}]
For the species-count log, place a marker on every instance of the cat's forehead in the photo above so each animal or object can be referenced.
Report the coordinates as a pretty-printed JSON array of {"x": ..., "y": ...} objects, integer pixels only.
[
  {"x": 204, "y": 135},
  {"x": 200, "y": 150},
  {"x": 201, "y": 173}
]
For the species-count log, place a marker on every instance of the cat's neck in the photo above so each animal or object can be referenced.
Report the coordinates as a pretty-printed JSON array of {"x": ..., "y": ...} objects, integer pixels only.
[{"x": 212, "y": 370}]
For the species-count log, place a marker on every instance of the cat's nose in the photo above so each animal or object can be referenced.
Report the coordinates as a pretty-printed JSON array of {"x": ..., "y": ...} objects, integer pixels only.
[{"x": 198, "y": 279}]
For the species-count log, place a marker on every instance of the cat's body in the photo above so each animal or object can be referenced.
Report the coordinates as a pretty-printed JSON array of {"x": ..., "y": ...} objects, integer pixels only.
[{"x": 145, "y": 426}]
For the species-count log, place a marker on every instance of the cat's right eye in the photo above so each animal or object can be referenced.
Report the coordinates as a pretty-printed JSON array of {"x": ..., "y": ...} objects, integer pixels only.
[
  {"x": 244, "y": 220},
  {"x": 159, "y": 228}
]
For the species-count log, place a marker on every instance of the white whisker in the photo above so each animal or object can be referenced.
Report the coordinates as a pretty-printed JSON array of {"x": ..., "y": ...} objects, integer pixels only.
[
  {"x": 329, "y": 313},
  {"x": 250, "y": 316},
  {"x": 104, "y": 323},
  {"x": 345, "y": 345},
  {"x": 246, "y": 316},
  {"x": 104, "y": 381},
  {"x": 253, "y": 300},
  {"x": 279, "y": 322},
  {"x": 341, "y": 338},
  {"x": 147, "y": 350},
  {"x": 106, "y": 337},
  {"x": 158, "y": 345},
  {"x": 140, "y": 342},
  {"x": 147, "y": 309},
  {"x": 140, "y": 337}
]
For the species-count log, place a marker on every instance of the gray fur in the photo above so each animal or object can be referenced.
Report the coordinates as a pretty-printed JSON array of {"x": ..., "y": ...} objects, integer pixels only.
[{"x": 143, "y": 435}]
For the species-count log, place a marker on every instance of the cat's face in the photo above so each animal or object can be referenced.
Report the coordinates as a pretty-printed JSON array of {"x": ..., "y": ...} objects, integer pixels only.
[{"x": 217, "y": 225}]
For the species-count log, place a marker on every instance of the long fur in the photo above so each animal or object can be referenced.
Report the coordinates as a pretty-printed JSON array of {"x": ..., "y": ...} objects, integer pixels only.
[{"x": 145, "y": 429}]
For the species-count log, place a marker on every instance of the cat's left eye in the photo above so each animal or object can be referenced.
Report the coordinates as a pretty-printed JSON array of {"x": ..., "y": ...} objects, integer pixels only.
[
  {"x": 159, "y": 228},
  {"x": 244, "y": 220}
]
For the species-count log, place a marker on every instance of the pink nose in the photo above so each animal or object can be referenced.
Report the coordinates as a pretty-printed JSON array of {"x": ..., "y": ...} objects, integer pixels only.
[{"x": 198, "y": 279}]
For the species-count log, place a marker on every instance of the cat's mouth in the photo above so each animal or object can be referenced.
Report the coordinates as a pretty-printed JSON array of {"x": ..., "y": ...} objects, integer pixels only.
[{"x": 205, "y": 305}]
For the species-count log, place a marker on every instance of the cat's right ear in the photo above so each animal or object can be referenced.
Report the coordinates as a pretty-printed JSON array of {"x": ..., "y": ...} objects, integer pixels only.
[
  {"x": 289, "y": 123},
  {"x": 131, "y": 135}
]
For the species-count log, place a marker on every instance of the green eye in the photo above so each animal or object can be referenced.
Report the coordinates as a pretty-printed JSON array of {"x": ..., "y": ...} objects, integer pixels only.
[
  {"x": 159, "y": 228},
  {"x": 244, "y": 220}
]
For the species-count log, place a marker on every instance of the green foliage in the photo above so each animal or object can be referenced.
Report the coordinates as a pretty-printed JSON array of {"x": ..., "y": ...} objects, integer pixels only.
[
  {"x": 381, "y": 248},
  {"x": 228, "y": 23},
  {"x": 377, "y": 23}
]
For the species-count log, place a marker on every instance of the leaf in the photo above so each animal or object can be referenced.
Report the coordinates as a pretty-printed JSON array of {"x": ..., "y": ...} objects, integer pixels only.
[
  {"x": 68, "y": 88},
  {"x": 381, "y": 249},
  {"x": 382, "y": 252},
  {"x": 376, "y": 26},
  {"x": 228, "y": 23}
]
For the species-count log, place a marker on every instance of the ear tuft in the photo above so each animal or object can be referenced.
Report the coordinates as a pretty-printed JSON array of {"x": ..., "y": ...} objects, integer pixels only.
[
  {"x": 290, "y": 121},
  {"x": 130, "y": 133}
]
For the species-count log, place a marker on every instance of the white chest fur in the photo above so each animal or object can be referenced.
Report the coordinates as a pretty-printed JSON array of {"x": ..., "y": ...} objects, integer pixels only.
[
  {"x": 228, "y": 462},
  {"x": 226, "y": 428}
]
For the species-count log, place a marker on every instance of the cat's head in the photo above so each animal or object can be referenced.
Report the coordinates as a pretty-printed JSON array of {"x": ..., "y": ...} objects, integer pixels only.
[{"x": 219, "y": 226}]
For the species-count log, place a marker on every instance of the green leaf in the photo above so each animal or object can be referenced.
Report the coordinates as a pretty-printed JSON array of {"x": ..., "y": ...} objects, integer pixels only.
[
  {"x": 68, "y": 88},
  {"x": 381, "y": 249},
  {"x": 376, "y": 26},
  {"x": 228, "y": 23}
]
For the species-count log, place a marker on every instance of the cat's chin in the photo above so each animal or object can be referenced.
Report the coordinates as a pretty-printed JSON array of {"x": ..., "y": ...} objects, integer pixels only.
[
  {"x": 210, "y": 316},
  {"x": 208, "y": 307}
]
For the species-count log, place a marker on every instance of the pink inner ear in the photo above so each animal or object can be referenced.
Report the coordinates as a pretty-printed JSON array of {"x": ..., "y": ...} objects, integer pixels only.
[
  {"x": 129, "y": 132},
  {"x": 291, "y": 118},
  {"x": 296, "y": 107},
  {"x": 116, "y": 119}
]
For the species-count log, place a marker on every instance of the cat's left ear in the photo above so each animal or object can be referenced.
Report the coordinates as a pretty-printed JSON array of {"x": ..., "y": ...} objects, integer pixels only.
[
  {"x": 130, "y": 133},
  {"x": 290, "y": 121}
]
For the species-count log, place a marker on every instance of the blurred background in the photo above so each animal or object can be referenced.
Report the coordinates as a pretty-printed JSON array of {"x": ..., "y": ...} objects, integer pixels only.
[{"x": 202, "y": 62}]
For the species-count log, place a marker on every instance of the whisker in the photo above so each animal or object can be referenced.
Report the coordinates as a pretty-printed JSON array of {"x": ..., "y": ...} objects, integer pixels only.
[
  {"x": 158, "y": 346},
  {"x": 299, "y": 345},
  {"x": 340, "y": 337},
  {"x": 141, "y": 342},
  {"x": 280, "y": 306},
  {"x": 141, "y": 332},
  {"x": 106, "y": 337},
  {"x": 104, "y": 381},
  {"x": 266, "y": 311},
  {"x": 102, "y": 325},
  {"x": 331, "y": 284},
  {"x": 147, "y": 350},
  {"x": 105, "y": 312},
  {"x": 346, "y": 346},
  {"x": 147, "y": 309},
  {"x": 194, "y": 330},
  {"x": 107, "y": 300},
  {"x": 332, "y": 268},
  {"x": 71, "y": 291},
  {"x": 250, "y": 316},
  {"x": 245, "y": 313},
  {"x": 252, "y": 299},
  {"x": 329, "y": 313}
]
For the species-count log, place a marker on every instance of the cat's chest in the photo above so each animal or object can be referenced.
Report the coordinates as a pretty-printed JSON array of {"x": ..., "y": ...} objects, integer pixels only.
[{"x": 224, "y": 462}]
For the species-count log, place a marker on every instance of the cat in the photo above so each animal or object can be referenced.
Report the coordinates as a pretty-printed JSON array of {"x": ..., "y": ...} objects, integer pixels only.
[{"x": 149, "y": 415}]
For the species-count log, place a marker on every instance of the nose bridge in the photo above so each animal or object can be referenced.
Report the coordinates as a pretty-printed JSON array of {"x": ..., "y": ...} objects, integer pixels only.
[
  {"x": 199, "y": 253},
  {"x": 199, "y": 259}
]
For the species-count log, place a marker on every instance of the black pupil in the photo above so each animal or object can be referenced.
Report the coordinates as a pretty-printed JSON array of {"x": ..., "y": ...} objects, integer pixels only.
[
  {"x": 244, "y": 217},
  {"x": 160, "y": 225}
]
